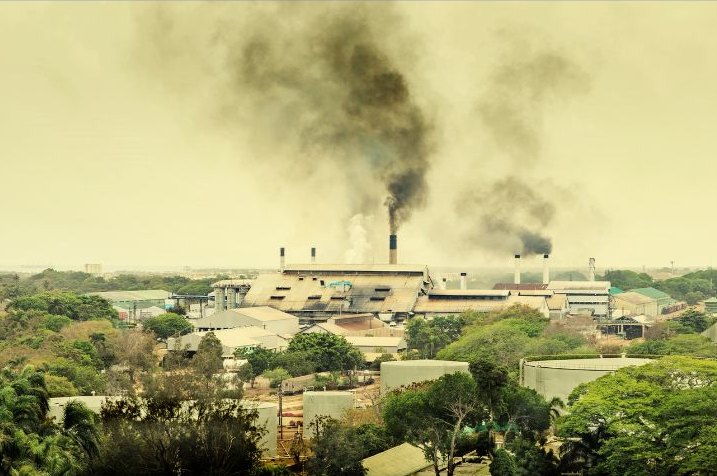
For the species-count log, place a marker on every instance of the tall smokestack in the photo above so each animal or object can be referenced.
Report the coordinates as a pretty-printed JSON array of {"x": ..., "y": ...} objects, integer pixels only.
[
  {"x": 392, "y": 249},
  {"x": 464, "y": 281},
  {"x": 282, "y": 260},
  {"x": 516, "y": 275},
  {"x": 313, "y": 255},
  {"x": 546, "y": 269},
  {"x": 444, "y": 283},
  {"x": 591, "y": 269}
]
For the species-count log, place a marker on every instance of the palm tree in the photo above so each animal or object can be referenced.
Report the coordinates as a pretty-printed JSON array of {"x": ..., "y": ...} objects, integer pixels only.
[{"x": 79, "y": 423}]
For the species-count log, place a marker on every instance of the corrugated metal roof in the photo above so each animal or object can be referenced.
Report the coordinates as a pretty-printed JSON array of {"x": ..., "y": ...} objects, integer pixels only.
[
  {"x": 401, "y": 460},
  {"x": 364, "y": 341},
  {"x": 468, "y": 292},
  {"x": 633, "y": 298},
  {"x": 579, "y": 285},
  {"x": 264, "y": 313},
  {"x": 651, "y": 293},
  {"x": 365, "y": 294},
  {"x": 580, "y": 299},
  {"x": 357, "y": 268},
  {"x": 557, "y": 302},
  {"x": 142, "y": 295},
  {"x": 424, "y": 305},
  {"x": 520, "y": 287}
]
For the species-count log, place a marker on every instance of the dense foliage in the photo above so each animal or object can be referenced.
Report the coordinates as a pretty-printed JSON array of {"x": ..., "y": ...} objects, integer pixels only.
[
  {"x": 168, "y": 325},
  {"x": 327, "y": 351},
  {"x": 656, "y": 419}
]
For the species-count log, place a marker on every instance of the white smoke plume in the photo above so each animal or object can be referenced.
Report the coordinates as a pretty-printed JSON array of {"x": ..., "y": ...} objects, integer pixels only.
[{"x": 360, "y": 249}]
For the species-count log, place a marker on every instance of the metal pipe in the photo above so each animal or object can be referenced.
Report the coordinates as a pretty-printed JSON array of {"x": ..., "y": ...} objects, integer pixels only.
[
  {"x": 546, "y": 269},
  {"x": 516, "y": 274},
  {"x": 313, "y": 255},
  {"x": 591, "y": 269},
  {"x": 282, "y": 259}
]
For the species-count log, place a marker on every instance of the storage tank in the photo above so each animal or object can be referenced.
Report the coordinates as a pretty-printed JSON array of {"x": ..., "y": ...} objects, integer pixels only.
[
  {"x": 557, "y": 378},
  {"x": 269, "y": 419},
  {"x": 331, "y": 404},
  {"x": 406, "y": 372},
  {"x": 268, "y": 415}
]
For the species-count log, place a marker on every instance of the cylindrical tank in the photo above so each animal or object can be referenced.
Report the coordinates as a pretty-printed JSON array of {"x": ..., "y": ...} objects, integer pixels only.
[
  {"x": 269, "y": 419},
  {"x": 218, "y": 299},
  {"x": 331, "y": 404},
  {"x": 557, "y": 378},
  {"x": 406, "y": 372}
]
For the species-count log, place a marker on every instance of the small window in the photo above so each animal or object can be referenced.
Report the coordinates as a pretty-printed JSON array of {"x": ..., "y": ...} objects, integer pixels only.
[
  {"x": 383, "y": 289},
  {"x": 315, "y": 296},
  {"x": 283, "y": 288},
  {"x": 277, "y": 297},
  {"x": 337, "y": 298},
  {"x": 378, "y": 298}
]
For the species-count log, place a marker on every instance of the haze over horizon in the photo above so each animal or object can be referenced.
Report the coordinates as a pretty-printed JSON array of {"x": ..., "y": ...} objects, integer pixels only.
[{"x": 115, "y": 148}]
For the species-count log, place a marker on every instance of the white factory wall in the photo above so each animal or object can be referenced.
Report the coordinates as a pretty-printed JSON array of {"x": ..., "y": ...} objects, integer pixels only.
[
  {"x": 402, "y": 373},
  {"x": 331, "y": 404}
]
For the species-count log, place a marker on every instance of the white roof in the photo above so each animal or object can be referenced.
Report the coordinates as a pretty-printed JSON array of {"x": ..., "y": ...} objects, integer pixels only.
[
  {"x": 264, "y": 313},
  {"x": 401, "y": 460},
  {"x": 368, "y": 341},
  {"x": 579, "y": 285}
]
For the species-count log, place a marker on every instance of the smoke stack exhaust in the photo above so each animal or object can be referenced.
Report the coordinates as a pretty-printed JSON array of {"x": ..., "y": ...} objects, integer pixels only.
[
  {"x": 546, "y": 269},
  {"x": 591, "y": 269},
  {"x": 313, "y": 255},
  {"x": 516, "y": 274},
  {"x": 392, "y": 249},
  {"x": 464, "y": 281},
  {"x": 282, "y": 260}
]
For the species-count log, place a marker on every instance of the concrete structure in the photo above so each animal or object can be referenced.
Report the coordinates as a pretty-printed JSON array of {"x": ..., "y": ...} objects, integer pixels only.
[
  {"x": 267, "y": 415},
  {"x": 331, "y": 404},
  {"x": 392, "y": 249},
  {"x": 320, "y": 291},
  {"x": 248, "y": 337},
  {"x": 229, "y": 293},
  {"x": 516, "y": 273},
  {"x": 591, "y": 297},
  {"x": 632, "y": 303},
  {"x": 558, "y": 378},
  {"x": 464, "y": 281},
  {"x": 401, "y": 373},
  {"x": 269, "y": 419},
  {"x": 94, "y": 269},
  {"x": 264, "y": 317},
  {"x": 546, "y": 268},
  {"x": 401, "y": 460}
]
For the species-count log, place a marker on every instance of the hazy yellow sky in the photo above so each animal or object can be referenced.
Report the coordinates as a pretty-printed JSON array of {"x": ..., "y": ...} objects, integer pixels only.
[{"x": 101, "y": 161}]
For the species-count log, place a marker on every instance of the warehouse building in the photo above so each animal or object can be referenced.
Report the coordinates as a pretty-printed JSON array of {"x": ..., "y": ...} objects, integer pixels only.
[
  {"x": 454, "y": 302},
  {"x": 134, "y": 302},
  {"x": 584, "y": 297},
  {"x": 248, "y": 337},
  {"x": 633, "y": 303},
  {"x": 319, "y": 291},
  {"x": 264, "y": 317}
]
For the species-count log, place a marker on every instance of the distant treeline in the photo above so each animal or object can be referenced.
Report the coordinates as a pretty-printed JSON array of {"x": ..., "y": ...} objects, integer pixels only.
[
  {"x": 691, "y": 287},
  {"x": 13, "y": 285}
]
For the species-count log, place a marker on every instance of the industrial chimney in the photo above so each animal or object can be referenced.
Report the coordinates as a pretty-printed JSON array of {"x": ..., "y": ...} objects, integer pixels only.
[
  {"x": 313, "y": 255},
  {"x": 444, "y": 283},
  {"x": 546, "y": 269},
  {"x": 282, "y": 260},
  {"x": 392, "y": 249},
  {"x": 464, "y": 281},
  {"x": 516, "y": 275},
  {"x": 591, "y": 269}
]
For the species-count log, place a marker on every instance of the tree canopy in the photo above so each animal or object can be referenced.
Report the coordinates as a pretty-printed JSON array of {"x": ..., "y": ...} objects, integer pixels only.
[
  {"x": 168, "y": 325},
  {"x": 329, "y": 352}
]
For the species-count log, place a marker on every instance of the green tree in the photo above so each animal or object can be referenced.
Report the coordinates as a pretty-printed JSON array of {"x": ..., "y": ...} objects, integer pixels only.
[
  {"x": 168, "y": 325},
  {"x": 296, "y": 363},
  {"x": 654, "y": 419},
  {"x": 433, "y": 416},
  {"x": 259, "y": 359},
  {"x": 208, "y": 359},
  {"x": 328, "y": 351},
  {"x": 695, "y": 321},
  {"x": 336, "y": 450},
  {"x": 626, "y": 279},
  {"x": 503, "y": 464}
]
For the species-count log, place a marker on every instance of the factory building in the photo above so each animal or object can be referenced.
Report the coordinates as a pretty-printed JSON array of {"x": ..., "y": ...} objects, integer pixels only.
[
  {"x": 137, "y": 305},
  {"x": 264, "y": 317},
  {"x": 634, "y": 303},
  {"x": 319, "y": 291},
  {"x": 453, "y": 302},
  {"x": 584, "y": 297},
  {"x": 229, "y": 293},
  {"x": 248, "y": 337}
]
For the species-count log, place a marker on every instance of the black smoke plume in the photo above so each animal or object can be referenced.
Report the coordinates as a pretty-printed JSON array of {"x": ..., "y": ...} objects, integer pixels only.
[
  {"x": 321, "y": 81},
  {"x": 510, "y": 215}
]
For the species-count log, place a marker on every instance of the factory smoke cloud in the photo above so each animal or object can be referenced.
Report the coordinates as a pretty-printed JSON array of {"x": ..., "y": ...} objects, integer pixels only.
[
  {"x": 510, "y": 214},
  {"x": 322, "y": 81},
  {"x": 511, "y": 217}
]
